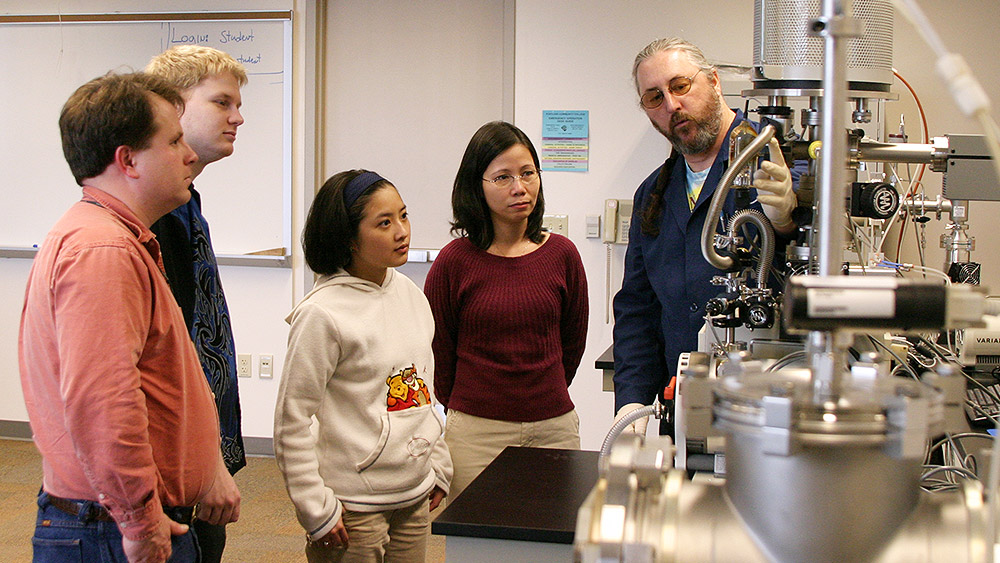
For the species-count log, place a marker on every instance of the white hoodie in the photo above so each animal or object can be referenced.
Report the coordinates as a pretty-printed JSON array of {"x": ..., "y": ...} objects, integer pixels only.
[{"x": 359, "y": 359}]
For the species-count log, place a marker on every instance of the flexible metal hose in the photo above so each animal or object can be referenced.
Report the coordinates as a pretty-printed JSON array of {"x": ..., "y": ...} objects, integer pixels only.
[
  {"x": 766, "y": 239},
  {"x": 656, "y": 409},
  {"x": 719, "y": 198}
]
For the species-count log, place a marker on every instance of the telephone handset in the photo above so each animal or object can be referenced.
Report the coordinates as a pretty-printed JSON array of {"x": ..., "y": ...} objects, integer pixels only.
[{"x": 617, "y": 220}]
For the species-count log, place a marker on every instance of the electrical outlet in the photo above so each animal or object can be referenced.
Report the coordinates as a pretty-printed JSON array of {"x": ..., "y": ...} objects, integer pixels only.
[
  {"x": 558, "y": 224},
  {"x": 243, "y": 364},
  {"x": 266, "y": 362}
]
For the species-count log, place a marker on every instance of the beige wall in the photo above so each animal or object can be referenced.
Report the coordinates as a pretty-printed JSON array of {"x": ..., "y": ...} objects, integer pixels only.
[{"x": 406, "y": 84}]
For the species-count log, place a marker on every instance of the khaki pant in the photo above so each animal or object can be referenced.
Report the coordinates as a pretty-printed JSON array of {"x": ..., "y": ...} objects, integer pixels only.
[
  {"x": 474, "y": 441},
  {"x": 393, "y": 536}
]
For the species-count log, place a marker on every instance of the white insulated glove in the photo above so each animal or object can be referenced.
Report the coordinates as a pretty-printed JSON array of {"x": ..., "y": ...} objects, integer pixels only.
[
  {"x": 638, "y": 426},
  {"x": 774, "y": 189}
]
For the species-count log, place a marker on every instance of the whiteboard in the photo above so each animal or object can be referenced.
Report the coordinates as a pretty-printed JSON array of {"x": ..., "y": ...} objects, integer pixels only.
[{"x": 246, "y": 197}]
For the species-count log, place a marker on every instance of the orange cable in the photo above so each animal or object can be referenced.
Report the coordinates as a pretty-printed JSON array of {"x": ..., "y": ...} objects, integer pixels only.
[{"x": 922, "y": 167}]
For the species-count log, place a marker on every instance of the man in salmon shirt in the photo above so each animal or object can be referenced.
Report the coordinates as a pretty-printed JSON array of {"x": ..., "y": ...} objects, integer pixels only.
[{"x": 118, "y": 403}]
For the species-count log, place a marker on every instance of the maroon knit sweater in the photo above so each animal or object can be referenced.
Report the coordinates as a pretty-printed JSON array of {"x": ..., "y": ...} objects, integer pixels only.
[{"x": 510, "y": 332}]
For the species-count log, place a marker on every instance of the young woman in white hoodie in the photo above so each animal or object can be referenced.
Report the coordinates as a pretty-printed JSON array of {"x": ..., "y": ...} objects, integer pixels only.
[{"x": 359, "y": 360}]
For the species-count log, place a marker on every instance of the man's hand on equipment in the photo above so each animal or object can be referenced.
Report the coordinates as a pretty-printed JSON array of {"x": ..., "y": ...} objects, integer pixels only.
[
  {"x": 638, "y": 426},
  {"x": 774, "y": 189}
]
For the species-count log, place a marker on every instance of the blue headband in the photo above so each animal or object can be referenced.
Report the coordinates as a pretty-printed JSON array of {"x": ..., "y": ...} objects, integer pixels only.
[{"x": 358, "y": 186}]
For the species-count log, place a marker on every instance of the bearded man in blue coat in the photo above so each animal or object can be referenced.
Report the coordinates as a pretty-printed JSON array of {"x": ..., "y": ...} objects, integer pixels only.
[{"x": 667, "y": 282}]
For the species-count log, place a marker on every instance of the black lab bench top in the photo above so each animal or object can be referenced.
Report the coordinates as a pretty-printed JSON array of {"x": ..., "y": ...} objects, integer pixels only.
[{"x": 527, "y": 494}]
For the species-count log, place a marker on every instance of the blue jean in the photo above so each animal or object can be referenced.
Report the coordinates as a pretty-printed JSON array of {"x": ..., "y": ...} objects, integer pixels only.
[
  {"x": 61, "y": 538},
  {"x": 211, "y": 540}
]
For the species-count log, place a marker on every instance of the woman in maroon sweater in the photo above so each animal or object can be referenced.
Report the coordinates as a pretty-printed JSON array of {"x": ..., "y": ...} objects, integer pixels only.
[{"x": 510, "y": 309}]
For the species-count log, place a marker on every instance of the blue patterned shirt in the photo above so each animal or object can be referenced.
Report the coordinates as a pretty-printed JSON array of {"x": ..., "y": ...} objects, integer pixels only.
[{"x": 193, "y": 274}]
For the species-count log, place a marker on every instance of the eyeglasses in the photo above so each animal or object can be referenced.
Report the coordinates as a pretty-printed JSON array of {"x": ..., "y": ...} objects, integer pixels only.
[
  {"x": 527, "y": 178},
  {"x": 678, "y": 86}
]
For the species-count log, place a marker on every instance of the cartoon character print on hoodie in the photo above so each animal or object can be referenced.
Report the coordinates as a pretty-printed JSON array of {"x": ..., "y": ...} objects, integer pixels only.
[{"x": 406, "y": 390}]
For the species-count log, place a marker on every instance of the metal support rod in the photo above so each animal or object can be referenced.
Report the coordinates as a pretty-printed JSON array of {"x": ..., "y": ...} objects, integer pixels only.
[
  {"x": 824, "y": 349},
  {"x": 833, "y": 162}
]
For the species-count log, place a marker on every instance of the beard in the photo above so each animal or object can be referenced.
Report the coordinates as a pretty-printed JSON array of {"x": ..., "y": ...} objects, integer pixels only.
[{"x": 706, "y": 128}]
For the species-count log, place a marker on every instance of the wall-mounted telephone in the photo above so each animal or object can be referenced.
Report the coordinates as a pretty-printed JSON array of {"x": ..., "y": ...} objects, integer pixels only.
[{"x": 617, "y": 220}]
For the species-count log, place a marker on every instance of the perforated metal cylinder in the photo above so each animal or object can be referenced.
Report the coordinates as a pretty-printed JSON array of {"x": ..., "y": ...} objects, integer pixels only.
[{"x": 786, "y": 56}]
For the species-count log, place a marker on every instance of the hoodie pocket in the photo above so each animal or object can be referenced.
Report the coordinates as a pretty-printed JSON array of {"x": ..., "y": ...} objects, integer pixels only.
[{"x": 401, "y": 457}]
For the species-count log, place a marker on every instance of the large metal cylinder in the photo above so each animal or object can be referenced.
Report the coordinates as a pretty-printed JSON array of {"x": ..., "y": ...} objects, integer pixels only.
[
  {"x": 786, "y": 56},
  {"x": 634, "y": 516},
  {"x": 803, "y": 507},
  {"x": 784, "y": 452}
]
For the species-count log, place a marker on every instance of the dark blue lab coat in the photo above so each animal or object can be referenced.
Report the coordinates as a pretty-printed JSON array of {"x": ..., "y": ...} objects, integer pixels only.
[{"x": 661, "y": 305}]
